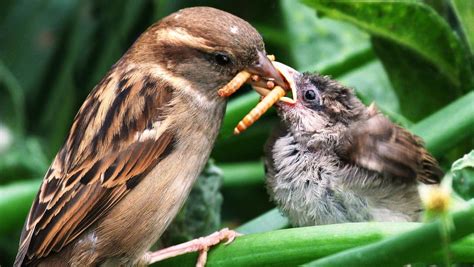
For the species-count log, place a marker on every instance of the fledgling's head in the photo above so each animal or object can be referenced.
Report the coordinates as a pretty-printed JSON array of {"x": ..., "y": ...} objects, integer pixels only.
[
  {"x": 323, "y": 107},
  {"x": 206, "y": 47}
]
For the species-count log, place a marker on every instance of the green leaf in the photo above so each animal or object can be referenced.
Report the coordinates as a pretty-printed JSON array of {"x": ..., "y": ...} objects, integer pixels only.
[
  {"x": 317, "y": 41},
  {"x": 413, "y": 79},
  {"x": 463, "y": 176},
  {"x": 408, "y": 23},
  {"x": 465, "y": 14}
]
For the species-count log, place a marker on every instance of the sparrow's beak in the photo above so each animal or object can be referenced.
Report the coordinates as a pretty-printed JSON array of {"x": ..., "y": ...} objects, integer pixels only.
[
  {"x": 265, "y": 70},
  {"x": 289, "y": 74}
]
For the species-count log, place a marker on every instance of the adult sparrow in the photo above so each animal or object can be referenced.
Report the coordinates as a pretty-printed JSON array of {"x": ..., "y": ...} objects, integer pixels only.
[
  {"x": 334, "y": 160},
  {"x": 139, "y": 141}
]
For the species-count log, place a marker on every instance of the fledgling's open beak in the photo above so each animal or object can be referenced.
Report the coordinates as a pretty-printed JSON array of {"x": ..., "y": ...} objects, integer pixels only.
[
  {"x": 266, "y": 71},
  {"x": 288, "y": 74}
]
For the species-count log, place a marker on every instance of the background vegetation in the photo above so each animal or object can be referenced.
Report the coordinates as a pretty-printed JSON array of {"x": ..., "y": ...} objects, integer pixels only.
[{"x": 414, "y": 59}]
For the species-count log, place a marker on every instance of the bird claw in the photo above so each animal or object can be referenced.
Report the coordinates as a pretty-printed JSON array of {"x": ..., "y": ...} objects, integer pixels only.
[{"x": 200, "y": 245}]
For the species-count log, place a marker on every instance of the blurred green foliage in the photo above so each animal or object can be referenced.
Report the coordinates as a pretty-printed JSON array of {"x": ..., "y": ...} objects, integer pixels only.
[
  {"x": 463, "y": 172},
  {"x": 415, "y": 59}
]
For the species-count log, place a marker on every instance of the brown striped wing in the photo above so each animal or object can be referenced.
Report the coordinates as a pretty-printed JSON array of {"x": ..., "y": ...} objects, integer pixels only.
[{"x": 102, "y": 160}]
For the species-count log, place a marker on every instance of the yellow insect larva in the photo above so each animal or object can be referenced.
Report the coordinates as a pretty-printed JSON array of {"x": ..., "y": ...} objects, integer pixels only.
[
  {"x": 239, "y": 80},
  {"x": 271, "y": 98},
  {"x": 234, "y": 84}
]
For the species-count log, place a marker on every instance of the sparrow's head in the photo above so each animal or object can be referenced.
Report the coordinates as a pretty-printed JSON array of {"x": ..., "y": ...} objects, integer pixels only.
[
  {"x": 323, "y": 106},
  {"x": 205, "y": 47}
]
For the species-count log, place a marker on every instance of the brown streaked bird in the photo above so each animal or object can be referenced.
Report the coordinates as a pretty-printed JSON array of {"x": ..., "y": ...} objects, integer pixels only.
[
  {"x": 334, "y": 160},
  {"x": 139, "y": 141}
]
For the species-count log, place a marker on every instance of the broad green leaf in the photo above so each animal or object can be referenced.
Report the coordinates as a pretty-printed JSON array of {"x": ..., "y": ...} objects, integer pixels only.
[
  {"x": 463, "y": 172},
  {"x": 464, "y": 10},
  {"x": 419, "y": 87},
  {"x": 408, "y": 23},
  {"x": 317, "y": 41}
]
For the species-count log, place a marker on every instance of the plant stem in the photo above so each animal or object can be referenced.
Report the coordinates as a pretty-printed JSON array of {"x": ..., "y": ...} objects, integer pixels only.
[
  {"x": 242, "y": 173},
  {"x": 413, "y": 246},
  {"x": 268, "y": 221},
  {"x": 290, "y": 247},
  {"x": 448, "y": 126}
]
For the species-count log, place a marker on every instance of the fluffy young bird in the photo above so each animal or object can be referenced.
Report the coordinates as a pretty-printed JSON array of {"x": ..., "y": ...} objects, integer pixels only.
[
  {"x": 335, "y": 160},
  {"x": 139, "y": 141}
]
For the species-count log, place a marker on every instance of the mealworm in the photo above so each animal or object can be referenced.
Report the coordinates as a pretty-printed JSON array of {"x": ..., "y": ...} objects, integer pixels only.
[
  {"x": 238, "y": 81},
  {"x": 271, "y": 98},
  {"x": 234, "y": 84}
]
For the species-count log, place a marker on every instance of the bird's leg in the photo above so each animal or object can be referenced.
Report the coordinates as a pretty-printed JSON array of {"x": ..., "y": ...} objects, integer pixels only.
[{"x": 201, "y": 244}]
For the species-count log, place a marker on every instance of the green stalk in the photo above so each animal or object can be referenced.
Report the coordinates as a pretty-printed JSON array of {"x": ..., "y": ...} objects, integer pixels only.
[
  {"x": 448, "y": 126},
  {"x": 413, "y": 246},
  {"x": 266, "y": 222},
  {"x": 242, "y": 173},
  {"x": 295, "y": 246}
]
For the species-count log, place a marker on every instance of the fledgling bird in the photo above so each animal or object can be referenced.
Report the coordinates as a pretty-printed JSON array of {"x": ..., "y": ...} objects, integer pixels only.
[
  {"x": 139, "y": 141},
  {"x": 334, "y": 160}
]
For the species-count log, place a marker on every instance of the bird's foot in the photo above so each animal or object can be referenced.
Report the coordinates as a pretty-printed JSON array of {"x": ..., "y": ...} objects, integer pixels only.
[{"x": 201, "y": 244}]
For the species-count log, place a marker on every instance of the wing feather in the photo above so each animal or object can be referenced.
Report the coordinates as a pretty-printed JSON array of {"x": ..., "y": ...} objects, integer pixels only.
[
  {"x": 101, "y": 161},
  {"x": 379, "y": 145}
]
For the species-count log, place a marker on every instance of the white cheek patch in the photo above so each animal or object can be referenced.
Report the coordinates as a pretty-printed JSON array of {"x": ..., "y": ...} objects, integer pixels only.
[
  {"x": 185, "y": 87},
  {"x": 234, "y": 29}
]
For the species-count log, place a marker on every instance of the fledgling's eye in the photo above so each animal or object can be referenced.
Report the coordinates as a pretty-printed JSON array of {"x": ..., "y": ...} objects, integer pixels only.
[
  {"x": 222, "y": 59},
  {"x": 310, "y": 95},
  {"x": 311, "y": 98}
]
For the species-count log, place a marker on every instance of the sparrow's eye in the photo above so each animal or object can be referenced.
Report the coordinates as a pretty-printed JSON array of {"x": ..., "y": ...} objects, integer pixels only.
[{"x": 222, "y": 59}]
